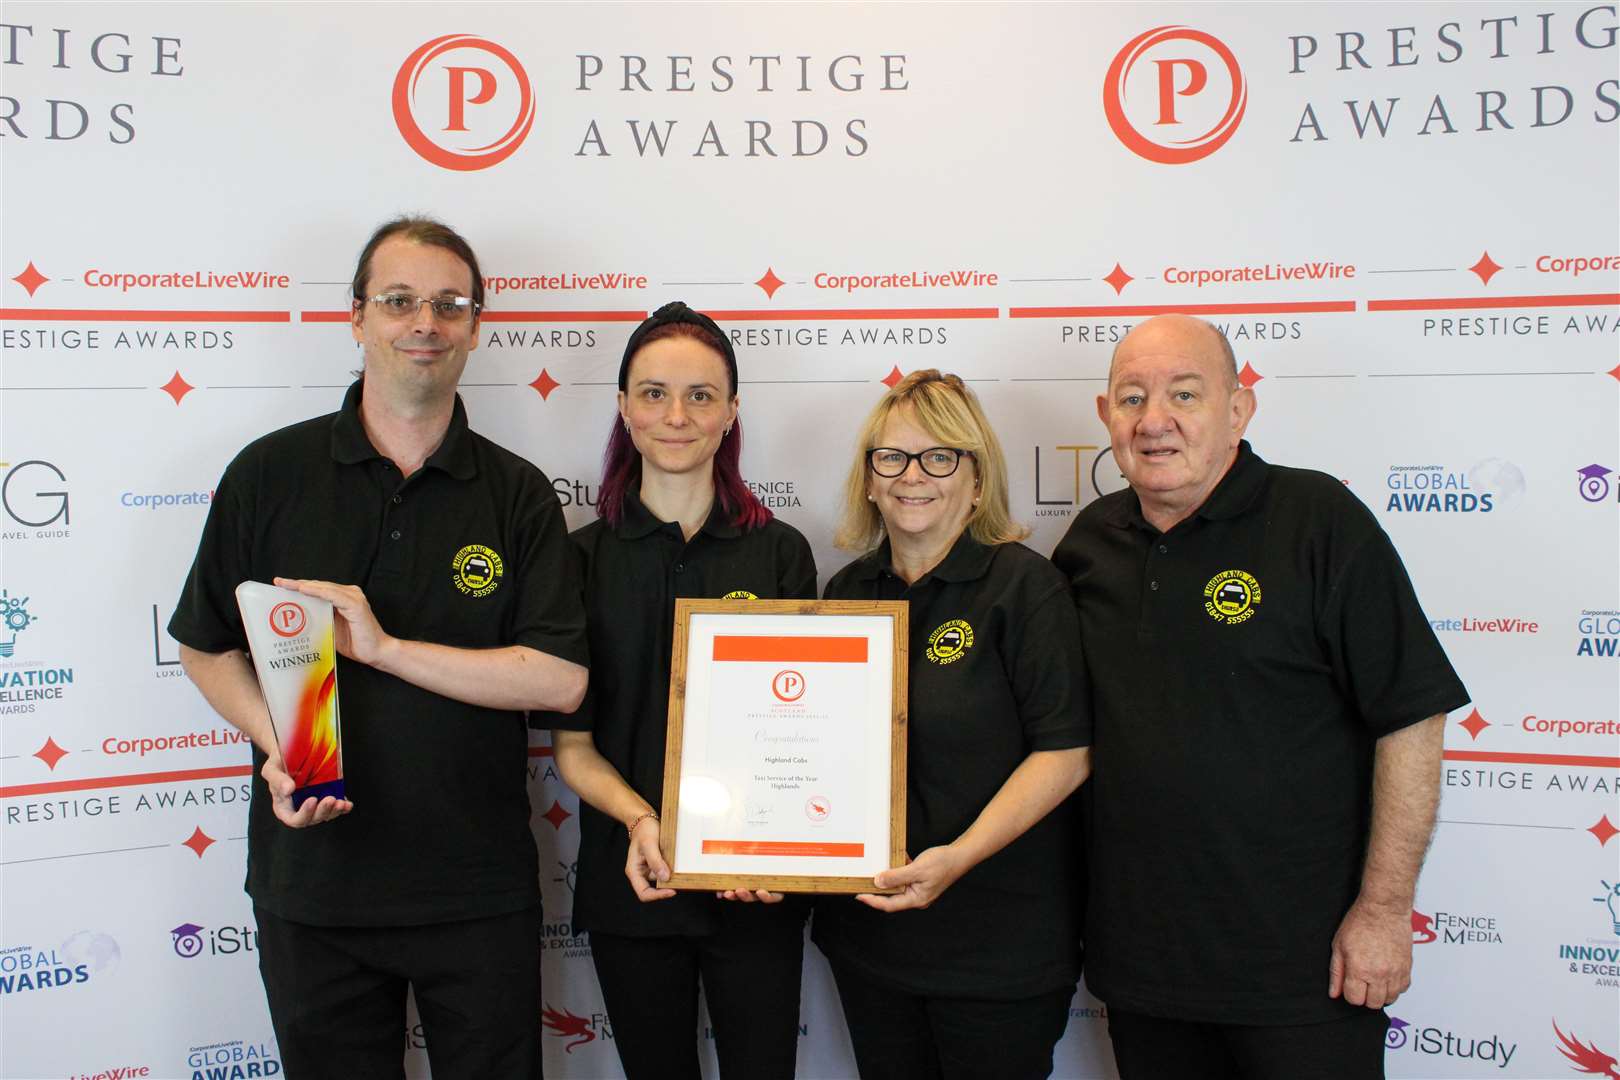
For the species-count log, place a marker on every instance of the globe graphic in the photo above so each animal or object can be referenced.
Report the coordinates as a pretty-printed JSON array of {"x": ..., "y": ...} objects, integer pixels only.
[
  {"x": 97, "y": 951},
  {"x": 1501, "y": 478}
]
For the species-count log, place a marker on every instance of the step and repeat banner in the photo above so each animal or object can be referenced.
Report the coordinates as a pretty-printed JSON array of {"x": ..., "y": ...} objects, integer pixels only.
[{"x": 1406, "y": 218}]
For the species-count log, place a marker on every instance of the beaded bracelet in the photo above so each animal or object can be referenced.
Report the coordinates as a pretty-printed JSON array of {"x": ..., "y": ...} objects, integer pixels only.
[{"x": 630, "y": 829}]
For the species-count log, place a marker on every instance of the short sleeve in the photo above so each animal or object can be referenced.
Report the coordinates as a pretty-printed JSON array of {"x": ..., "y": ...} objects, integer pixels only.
[
  {"x": 550, "y": 613},
  {"x": 207, "y": 618},
  {"x": 584, "y": 717},
  {"x": 1047, "y": 670},
  {"x": 1384, "y": 654}
]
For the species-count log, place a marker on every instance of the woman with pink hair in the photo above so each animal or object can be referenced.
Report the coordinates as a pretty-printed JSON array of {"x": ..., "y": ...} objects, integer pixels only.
[{"x": 675, "y": 520}]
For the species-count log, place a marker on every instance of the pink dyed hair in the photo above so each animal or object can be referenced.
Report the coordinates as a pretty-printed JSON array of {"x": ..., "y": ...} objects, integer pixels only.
[{"x": 621, "y": 461}]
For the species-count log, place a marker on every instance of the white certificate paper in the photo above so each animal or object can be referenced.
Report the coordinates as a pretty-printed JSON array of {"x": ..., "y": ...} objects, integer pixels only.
[{"x": 785, "y": 746}]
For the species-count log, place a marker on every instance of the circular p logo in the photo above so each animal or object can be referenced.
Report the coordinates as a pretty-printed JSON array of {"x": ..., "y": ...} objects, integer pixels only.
[
  {"x": 788, "y": 686},
  {"x": 1174, "y": 94},
  {"x": 463, "y": 102},
  {"x": 287, "y": 619}
]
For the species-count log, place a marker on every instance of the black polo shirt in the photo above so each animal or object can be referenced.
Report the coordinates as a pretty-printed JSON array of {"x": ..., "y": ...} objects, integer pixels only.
[
  {"x": 1242, "y": 664},
  {"x": 440, "y": 826},
  {"x": 995, "y": 674},
  {"x": 632, "y": 576}
]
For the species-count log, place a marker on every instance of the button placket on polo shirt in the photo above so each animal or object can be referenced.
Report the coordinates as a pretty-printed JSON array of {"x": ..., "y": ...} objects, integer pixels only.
[
  {"x": 394, "y": 526},
  {"x": 689, "y": 556},
  {"x": 1155, "y": 570}
]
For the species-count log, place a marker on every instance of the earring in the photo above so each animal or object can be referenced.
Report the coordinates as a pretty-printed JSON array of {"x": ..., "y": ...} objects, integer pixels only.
[
  {"x": 726, "y": 432},
  {"x": 627, "y": 427}
]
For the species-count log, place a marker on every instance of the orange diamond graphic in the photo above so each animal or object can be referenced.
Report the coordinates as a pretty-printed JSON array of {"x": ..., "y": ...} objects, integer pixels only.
[
  {"x": 892, "y": 377},
  {"x": 1474, "y": 724},
  {"x": 1486, "y": 268},
  {"x": 770, "y": 283},
  {"x": 557, "y": 814},
  {"x": 31, "y": 278},
  {"x": 177, "y": 387},
  {"x": 1248, "y": 376},
  {"x": 50, "y": 753},
  {"x": 198, "y": 841},
  {"x": 1118, "y": 278},
  {"x": 1603, "y": 830},
  {"x": 544, "y": 384},
  {"x": 1615, "y": 371}
]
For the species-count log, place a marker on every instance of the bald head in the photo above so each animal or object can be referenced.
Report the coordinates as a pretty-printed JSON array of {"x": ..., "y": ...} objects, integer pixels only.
[
  {"x": 1178, "y": 333},
  {"x": 1175, "y": 414}
]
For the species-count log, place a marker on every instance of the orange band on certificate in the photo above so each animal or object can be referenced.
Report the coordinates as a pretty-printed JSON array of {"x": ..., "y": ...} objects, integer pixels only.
[
  {"x": 783, "y": 847},
  {"x": 788, "y": 650},
  {"x": 784, "y": 758}
]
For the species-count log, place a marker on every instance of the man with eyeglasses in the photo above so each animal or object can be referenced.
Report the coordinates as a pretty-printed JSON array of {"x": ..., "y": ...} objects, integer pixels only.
[{"x": 445, "y": 558}]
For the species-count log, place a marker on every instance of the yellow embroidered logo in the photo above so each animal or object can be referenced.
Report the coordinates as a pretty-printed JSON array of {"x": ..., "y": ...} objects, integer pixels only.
[
  {"x": 477, "y": 570},
  {"x": 739, "y": 594},
  {"x": 949, "y": 641},
  {"x": 1231, "y": 596}
]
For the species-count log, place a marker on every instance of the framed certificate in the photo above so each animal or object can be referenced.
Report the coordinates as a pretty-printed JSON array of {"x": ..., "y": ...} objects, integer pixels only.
[{"x": 785, "y": 765}]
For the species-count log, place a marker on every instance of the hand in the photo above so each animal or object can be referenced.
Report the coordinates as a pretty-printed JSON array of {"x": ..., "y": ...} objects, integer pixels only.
[
  {"x": 924, "y": 879},
  {"x": 644, "y": 864},
  {"x": 312, "y": 812},
  {"x": 1371, "y": 963},
  {"x": 749, "y": 896},
  {"x": 356, "y": 630}
]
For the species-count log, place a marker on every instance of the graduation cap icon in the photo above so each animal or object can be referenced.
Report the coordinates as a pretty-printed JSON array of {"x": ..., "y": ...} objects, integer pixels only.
[
  {"x": 1594, "y": 482},
  {"x": 187, "y": 939}
]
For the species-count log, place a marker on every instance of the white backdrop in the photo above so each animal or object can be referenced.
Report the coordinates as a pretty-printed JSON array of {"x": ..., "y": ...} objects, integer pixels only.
[{"x": 1407, "y": 217}]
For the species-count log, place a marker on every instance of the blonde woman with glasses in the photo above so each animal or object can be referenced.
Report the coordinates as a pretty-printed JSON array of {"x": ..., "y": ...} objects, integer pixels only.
[{"x": 968, "y": 969}]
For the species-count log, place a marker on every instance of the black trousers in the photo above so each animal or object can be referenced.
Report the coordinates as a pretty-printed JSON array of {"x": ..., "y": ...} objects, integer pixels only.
[
  {"x": 337, "y": 996},
  {"x": 1149, "y": 1047},
  {"x": 750, "y": 974},
  {"x": 901, "y": 1036}
]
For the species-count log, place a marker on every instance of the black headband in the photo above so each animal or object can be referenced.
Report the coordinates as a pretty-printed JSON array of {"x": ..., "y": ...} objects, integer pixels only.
[{"x": 676, "y": 311}]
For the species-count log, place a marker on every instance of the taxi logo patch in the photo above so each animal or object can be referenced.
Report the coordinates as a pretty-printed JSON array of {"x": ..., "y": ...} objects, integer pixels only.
[
  {"x": 739, "y": 594},
  {"x": 477, "y": 570},
  {"x": 1231, "y": 596},
  {"x": 949, "y": 641}
]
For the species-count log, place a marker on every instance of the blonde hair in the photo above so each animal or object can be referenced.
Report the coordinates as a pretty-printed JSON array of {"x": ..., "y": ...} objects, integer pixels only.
[{"x": 947, "y": 410}]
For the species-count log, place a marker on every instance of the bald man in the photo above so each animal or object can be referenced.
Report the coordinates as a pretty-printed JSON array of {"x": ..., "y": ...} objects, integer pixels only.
[{"x": 1269, "y": 703}]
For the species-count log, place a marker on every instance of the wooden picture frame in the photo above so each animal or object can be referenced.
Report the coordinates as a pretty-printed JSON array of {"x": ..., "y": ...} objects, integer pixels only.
[{"x": 773, "y": 704}]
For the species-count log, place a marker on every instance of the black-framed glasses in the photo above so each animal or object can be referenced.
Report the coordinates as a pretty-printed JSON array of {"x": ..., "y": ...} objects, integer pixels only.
[
  {"x": 937, "y": 461},
  {"x": 450, "y": 309}
]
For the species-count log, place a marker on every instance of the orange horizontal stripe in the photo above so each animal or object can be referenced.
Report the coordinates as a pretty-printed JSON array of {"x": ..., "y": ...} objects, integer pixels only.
[
  {"x": 17, "y": 791},
  {"x": 1461, "y": 303},
  {"x": 1533, "y": 759},
  {"x": 1277, "y": 308},
  {"x": 505, "y": 316},
  {"x": 841, "y": 314},
  {"x": 788, "y": 650},
  {"x": 92, "y": 315},
  {"x": 783, "y": 847},
  {"x": 563, "y": 316},
  {"x": 137, "y": 779}
]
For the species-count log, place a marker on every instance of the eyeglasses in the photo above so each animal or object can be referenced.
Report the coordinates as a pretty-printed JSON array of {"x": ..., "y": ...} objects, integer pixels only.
[
  {"x": 450, "y": 309},
  {"x": 937, "y": 461}
]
